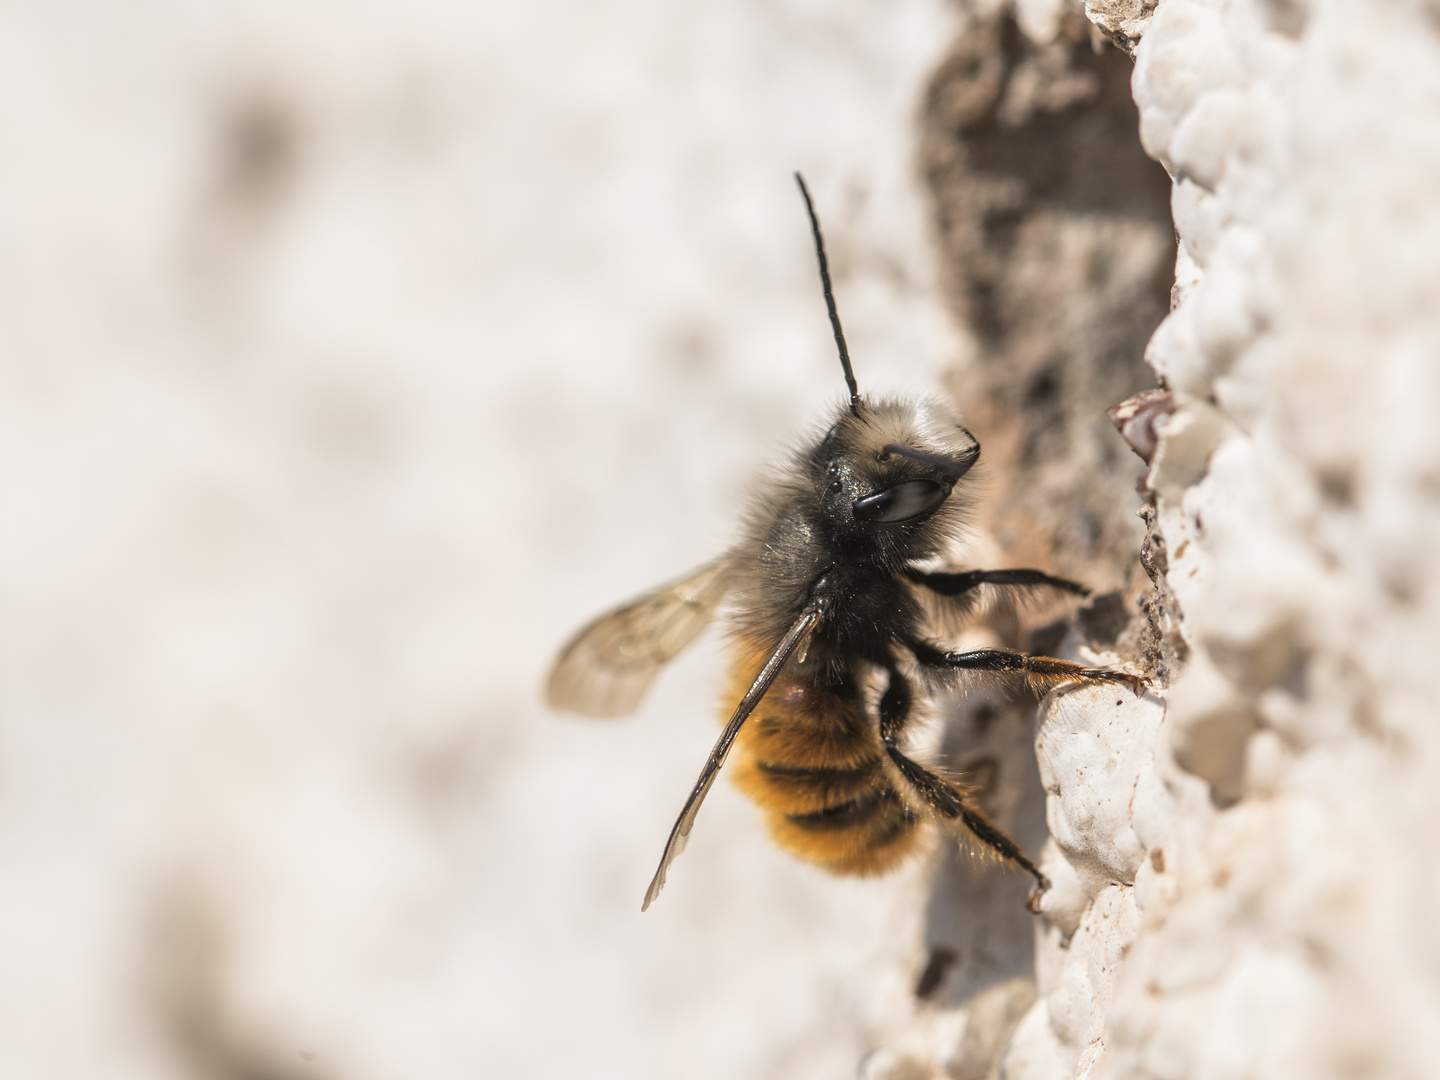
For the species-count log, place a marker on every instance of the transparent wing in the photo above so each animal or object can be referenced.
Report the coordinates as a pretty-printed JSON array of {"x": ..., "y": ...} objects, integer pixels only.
[
  {"x": 605, "y": 669},
  {"x": 683, "y": 824}
]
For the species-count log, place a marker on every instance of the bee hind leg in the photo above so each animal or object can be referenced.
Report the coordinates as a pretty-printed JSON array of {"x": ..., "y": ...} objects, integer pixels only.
[{"x": 943, "y": 797}]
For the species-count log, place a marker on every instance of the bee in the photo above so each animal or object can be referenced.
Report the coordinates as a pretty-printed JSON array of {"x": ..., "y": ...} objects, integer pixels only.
[{"x": 831, "y": 612}]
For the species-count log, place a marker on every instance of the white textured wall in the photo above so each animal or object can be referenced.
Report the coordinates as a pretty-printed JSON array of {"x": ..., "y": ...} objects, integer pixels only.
[
  {"x": 1289, "y": 933},
  {"x": 350, "y": 356},
  {"x": 1245, "y": 864}
]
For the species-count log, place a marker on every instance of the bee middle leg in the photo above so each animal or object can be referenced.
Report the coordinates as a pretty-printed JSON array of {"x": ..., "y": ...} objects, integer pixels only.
[
  {"x": 1042, "y": 672},
  {"x": 939, "y": 794}
]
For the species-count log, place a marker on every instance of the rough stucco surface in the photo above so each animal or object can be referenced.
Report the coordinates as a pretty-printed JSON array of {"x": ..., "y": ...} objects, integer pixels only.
[
  {"x": 294, "y": 287},
  {"x": 1059, "y": 253},
  {"x": 1288, "y": 934},
  {"x": 350, "y": 356},
  {"x": 1241, "y": 860}
]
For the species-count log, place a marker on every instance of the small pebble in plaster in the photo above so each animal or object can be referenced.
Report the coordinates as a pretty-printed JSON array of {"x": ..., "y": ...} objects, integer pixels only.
[
  {"x": 1122, "y": 21},
  {"x": 1135, "y": 419}
]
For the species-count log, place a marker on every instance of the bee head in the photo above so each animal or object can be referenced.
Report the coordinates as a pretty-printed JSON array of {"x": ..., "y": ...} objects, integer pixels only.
[{"x": 890, "y": 463}]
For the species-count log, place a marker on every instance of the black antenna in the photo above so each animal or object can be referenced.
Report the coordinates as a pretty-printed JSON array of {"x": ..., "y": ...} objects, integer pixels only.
[{"x": 830, "y": 297}]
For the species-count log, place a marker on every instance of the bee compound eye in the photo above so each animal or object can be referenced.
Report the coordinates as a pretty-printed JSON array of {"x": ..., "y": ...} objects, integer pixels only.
[{"x": 901, "y": 502}]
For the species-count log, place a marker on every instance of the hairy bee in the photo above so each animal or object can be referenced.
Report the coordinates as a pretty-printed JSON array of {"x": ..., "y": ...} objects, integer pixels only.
[{"x": 827, "y": 604}]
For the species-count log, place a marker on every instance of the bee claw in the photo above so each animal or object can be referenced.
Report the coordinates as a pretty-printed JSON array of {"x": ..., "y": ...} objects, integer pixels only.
[{"x": 1032, "y": 902}]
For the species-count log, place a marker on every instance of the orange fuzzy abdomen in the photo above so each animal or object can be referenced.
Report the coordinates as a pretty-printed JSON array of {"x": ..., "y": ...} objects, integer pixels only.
[{"x": 814, "y": 765}]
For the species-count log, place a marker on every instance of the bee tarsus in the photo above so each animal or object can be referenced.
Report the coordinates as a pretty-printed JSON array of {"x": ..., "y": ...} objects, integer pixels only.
[{"x": 1042, "y": 671}]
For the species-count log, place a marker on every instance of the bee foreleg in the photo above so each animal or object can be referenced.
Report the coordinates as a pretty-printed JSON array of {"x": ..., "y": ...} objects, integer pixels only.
[
  {"x": 959, "y": 584},
  {"x": 1042, "y": 672},
  {"x": 938, "y": 793}
]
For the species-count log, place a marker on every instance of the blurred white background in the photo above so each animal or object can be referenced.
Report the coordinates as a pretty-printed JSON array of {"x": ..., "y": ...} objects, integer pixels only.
[{"x": 354, "y": 354}]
